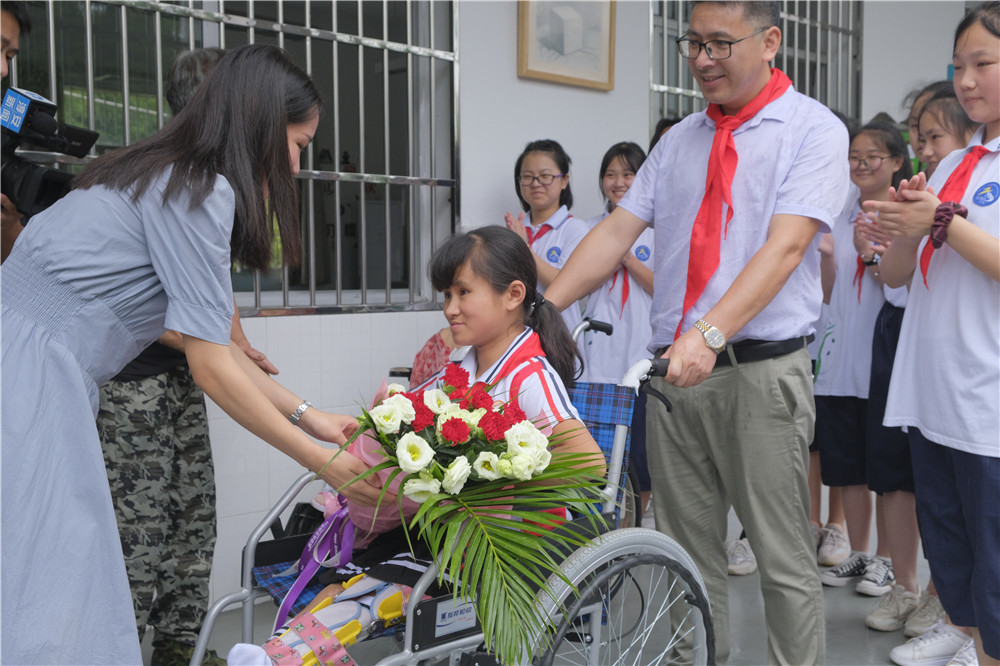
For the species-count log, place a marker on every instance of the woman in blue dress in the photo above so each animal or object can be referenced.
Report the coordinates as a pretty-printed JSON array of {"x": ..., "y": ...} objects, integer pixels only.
[{"x": 143, "y": 243}]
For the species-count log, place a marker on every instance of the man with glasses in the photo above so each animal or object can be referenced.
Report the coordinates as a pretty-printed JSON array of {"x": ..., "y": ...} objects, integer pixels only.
[{"x": 736, "y": 196}]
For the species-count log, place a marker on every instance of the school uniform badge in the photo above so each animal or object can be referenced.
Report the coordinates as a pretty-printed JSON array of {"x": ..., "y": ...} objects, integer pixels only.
[
  {"x": 987, "y": 194},
  {"x": 553, "y": 254},
  {"x": 642, "y": 253}
]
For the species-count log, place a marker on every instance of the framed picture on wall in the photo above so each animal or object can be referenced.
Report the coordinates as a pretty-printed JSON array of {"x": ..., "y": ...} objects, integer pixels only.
[{"x": 571, "y": 42}]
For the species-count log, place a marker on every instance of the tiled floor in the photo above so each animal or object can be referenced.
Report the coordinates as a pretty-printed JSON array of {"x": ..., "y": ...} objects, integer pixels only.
[{"x": 849, "y": 641}]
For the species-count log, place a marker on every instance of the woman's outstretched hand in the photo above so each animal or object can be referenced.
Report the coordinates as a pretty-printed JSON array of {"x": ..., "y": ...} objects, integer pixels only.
[{"x": 346, "y": 468}]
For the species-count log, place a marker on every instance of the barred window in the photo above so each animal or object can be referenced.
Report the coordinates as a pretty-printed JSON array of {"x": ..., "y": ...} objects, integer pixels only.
[
  {"x": 819, "y": 52},
  {"x": 378, "y": 181}
]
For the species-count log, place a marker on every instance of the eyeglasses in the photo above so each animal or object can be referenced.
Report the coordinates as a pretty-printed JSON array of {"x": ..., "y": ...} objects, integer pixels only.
[
  {"x": 717, "y": 49},
  {"x": 544, "y": 179},
  {"x": 872, "y": 162}
]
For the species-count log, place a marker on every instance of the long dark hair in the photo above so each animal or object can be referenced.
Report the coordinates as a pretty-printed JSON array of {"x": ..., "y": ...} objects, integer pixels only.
[
  {"x": 632, "y": 155},
  {"x": 892, "y": 141},
  {"x": 554, "y": 150},
  {"x": 499, "y": 256},
  {"x": 236, "y": 126},
  {"x": 987, "y": 13}
]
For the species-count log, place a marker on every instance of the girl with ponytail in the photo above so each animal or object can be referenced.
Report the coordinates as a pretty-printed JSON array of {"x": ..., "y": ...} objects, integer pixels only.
[{"x": 515, "y": 341}]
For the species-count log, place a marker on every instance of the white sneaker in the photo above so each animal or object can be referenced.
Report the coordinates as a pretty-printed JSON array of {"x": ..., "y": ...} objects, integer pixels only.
[
  {"x": 926, "y": 615},
  {"x": 741, "y": 558},
  {"x": 878, "y": 579},
  {"x": 893, "y": 609},
  {"x": 833, "y": 546},
  {"x": 817, "y": 535},
  {"x": 966, "y": 656},
  {"x": 935, "y": 648}
]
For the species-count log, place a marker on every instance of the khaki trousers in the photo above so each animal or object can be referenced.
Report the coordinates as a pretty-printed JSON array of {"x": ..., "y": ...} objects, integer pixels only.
[{"x": 741, "y": 439}]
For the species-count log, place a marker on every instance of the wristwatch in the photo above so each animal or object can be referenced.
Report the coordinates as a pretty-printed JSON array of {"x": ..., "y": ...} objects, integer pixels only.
[
  {"x": 295, "y": 416},
  {"x": 714, "y": 338}
]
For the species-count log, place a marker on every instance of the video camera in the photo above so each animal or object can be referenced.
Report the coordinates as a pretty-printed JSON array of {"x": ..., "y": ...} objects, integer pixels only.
[{"x": 26, "y": 116}]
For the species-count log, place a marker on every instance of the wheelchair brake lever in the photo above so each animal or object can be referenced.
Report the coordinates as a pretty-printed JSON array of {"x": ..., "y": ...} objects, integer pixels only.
[{"x": 638, "y": 376}]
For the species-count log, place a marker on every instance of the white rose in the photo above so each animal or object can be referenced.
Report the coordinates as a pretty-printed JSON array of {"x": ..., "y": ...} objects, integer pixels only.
[
  {"x": 486, "y": 466},
  {"x": 413, "y": 453},
  {"x": 524, "y": 436},
  {"x": 395, "y": 388},
  {"x": 403, "y": 405},
  {"x": 522, "y": 465},
  {"x": 387, "y": 418},
  {"x": 437, "y": 401},
  {"x": 542, "y": 460},
  {"x": 456, "y": 475},
  {"x": 419, "y": 489}
]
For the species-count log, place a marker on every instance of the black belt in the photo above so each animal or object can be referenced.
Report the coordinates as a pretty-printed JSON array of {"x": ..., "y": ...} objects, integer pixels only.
[{"x": 748, "y": 351}]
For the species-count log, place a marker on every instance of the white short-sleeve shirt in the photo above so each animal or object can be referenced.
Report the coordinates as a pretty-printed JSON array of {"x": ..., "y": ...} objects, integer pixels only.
[
  {"x": 606, "y": 358},
  {"x": 845, "y": 356},
  {"x": 792, "y": 160},
  {"x": 556, "y": 246},
  {"x": 946, "y": 377}
]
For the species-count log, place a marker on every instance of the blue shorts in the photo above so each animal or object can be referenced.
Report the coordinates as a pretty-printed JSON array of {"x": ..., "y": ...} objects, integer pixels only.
[
  {"x": 958, "y": 508},
  {"x": 840, "y": 436},
  {"x": 888, "y": 463}
]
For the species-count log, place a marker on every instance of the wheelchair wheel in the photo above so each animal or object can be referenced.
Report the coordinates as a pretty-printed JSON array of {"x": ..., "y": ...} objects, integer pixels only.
[{"x": 641, "y": 601}]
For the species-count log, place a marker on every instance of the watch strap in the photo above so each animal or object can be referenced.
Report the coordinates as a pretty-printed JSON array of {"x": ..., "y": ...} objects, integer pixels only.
[{"x": 295, "y": 416}]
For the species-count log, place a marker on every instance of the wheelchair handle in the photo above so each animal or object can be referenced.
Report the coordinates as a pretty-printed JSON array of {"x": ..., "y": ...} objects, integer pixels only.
[
  {"x": 638, "y": 376},
  {"x": 589, "y": 324}
]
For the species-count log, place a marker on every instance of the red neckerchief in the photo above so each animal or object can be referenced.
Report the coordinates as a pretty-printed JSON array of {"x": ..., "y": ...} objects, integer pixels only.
[
  {"x": 703, "y": 258},
  {"x": 625, "y": 288},
  {"x": 953, "y": 190},
  {"x": 533, "y": 235},
  {"x": 527, "y": 350},
  {"x": 859, "y": 275}
]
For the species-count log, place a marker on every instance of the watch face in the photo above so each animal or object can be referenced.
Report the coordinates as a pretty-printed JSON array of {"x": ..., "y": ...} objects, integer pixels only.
[{"x": 715, "y": 339}]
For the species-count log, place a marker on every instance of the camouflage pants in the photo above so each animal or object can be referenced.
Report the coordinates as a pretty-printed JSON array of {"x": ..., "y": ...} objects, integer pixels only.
[{"x": 154, "y": 432}]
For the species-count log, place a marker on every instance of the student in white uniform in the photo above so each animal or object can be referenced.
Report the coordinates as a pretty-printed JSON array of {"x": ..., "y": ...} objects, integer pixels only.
[
  {"x": 879, "y": 161},
  {"x": 624, "y": 301},
  {"x": 541, "y": 181},
  {"x": 945, "y": 386}
]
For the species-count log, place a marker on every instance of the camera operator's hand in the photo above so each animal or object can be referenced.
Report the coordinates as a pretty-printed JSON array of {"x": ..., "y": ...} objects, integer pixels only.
[{"x": 10, "y": 226}]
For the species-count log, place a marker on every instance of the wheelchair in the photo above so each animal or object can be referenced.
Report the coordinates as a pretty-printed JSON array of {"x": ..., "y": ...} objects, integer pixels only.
[{"x": 631, "y": 596}]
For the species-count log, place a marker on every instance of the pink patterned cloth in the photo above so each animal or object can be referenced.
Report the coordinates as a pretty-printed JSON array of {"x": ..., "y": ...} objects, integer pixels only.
[{"x": 429, "y": 360}]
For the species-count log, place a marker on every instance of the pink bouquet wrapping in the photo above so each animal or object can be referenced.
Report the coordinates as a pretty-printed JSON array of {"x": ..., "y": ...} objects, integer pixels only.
[{"x": 370, "y": 521}]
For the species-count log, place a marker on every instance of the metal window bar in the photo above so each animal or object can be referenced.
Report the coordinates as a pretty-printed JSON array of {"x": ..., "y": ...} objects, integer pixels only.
[{"x": 206, "y": 26}]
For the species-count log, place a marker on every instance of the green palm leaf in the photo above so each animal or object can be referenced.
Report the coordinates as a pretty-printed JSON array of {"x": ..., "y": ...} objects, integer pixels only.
[{"x": 494, "y": 559}]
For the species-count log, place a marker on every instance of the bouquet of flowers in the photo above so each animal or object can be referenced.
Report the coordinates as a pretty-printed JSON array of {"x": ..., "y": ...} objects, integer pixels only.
[{"x": 481, "y": 476}]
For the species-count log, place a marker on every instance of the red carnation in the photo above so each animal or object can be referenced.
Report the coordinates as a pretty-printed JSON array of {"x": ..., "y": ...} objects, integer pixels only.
[
  {"x": 479, "y": 398},
  {"x": 514, "y": 412},
  {"x": 494, "y": 425},
  {"x": 455, "y": 430},
  {"x": 455, "y": 377},
  {"x": 423, "y": 416}
]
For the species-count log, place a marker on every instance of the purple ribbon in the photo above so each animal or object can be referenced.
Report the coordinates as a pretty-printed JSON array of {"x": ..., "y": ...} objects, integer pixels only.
[{"x": 331, "y": 545}]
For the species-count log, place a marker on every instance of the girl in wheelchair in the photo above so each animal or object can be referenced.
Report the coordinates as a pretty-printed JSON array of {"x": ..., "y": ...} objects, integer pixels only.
[{"x": 514, "y": 342}]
